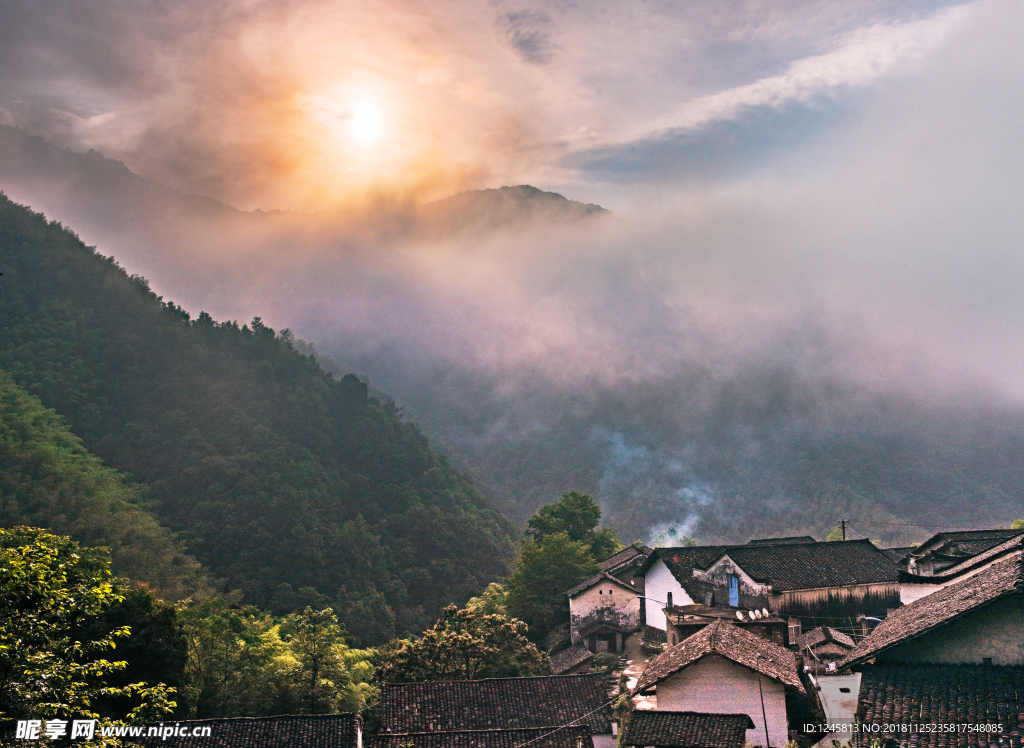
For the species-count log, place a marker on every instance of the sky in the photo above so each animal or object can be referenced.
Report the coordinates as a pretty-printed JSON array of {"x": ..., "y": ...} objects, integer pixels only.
[
  {"x": 815, "y": 239},
  {"x": 309, "y": 104}
]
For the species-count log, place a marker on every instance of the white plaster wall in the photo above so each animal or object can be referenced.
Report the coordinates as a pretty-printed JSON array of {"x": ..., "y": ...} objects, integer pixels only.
[
  {"x": 715, "y": 685},
  {"x": 911, "y": 592},
  {"x": 658, "y": 582},
  {"x": 840, "y": 708},
  {"x": 605, "y": 596},
  {"x": 718, "y": 574}
]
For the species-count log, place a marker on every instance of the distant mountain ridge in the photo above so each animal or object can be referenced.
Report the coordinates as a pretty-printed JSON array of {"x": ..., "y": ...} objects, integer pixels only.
[
  {"x": 92, "y": 183},
  {"x": 502, "y": 206}
]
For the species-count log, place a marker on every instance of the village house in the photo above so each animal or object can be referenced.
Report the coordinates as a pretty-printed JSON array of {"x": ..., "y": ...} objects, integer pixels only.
[
  {"x": 686, "y": 730},
  {"x": 285, "y": 731},
  {"x": 823, "y": 649},
  {"x": 683, "y": 621},
  {"x": 603, "y": 611},
  {"x": 975, "y": 621},
  {"x": 625, "y": 564},
  {"x": 545, "y": 704},
  {"x": 807, "y": 582},
  {"x": 723, "y": 669},
  {"x": 575, "y": 659},
  {"x": 931, "y": 570},
  {"x": 946, "y": 549},
  {"x": 955, "y": 657}
]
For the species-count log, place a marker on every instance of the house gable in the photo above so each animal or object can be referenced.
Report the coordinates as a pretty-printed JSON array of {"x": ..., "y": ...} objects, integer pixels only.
[
  {"x": 942, "y": 608},
  {"x": 716, "y": 684},
  {"x": 717, "y": 575}
]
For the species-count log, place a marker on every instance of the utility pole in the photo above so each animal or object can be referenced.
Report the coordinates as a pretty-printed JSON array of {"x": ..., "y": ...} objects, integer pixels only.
[{"x": 843, "y": 523}]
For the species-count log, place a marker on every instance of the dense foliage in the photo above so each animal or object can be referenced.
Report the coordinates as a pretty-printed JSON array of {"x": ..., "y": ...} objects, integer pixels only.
[
  {"x": 565, "y": 549},
  {"x": 47, "y": 478},
  {"x": 536, "y": 589},
  {"x": 245, "y": 662},
  {"x": 577, "y": 515},
  {"x": 464, "y": 645},
  {"x": 292, "y": 486},
  {"x": 56, "y": 658}
]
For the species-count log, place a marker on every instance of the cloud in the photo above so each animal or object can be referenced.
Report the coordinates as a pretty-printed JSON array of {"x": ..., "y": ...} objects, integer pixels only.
[
  {"x": 850, "y": 308},
  {"x": 860, "y": 59},
  {"x": 528, "y": 31},
  {"x": 219, "y": 100}
]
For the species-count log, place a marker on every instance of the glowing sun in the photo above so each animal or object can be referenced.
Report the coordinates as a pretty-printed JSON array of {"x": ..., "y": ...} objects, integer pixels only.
[{"x": 365, "y": 123}]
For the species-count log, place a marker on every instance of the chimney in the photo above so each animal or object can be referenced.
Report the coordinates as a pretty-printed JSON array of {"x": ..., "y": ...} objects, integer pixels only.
[{"x": 668, "y": 600}]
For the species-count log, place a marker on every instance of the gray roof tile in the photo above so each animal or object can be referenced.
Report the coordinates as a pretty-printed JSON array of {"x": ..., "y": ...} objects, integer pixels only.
[{"x": 687, "y": 729}]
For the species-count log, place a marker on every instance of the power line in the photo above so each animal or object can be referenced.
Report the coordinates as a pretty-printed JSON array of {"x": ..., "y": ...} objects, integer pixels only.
[{"x": 570, "y": 724}]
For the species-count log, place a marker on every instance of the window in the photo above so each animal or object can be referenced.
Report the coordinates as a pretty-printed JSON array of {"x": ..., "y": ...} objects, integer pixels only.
[{"x": 734, "y": 591}]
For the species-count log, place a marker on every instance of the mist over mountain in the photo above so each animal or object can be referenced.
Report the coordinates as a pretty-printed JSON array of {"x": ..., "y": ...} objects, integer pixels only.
[
  {"x": 797, "y": 367},
  {"x": 293, "y": 487}
]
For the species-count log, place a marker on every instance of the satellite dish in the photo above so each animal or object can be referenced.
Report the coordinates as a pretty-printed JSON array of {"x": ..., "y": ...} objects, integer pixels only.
[
  {"x": 765, "y": 611},
  {"x": 751, "y": 614},
  {"x": 757, "y": 613},
  {"x": 739, "y": 615}
]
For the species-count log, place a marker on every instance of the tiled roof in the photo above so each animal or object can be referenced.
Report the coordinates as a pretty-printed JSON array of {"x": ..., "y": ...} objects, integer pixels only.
[
  {"x": 944, "y": 694},
  {"x": 600, "y": 577},
  {"x": 952, "y": 572},
  {"x": 285, "y": 731},
  {"x": 570, "y": 658},
  {"x": 814, "y": 565},
  {"x": 687, "y": 729},
  {"x": 538, "y": 737},
  {"x": 731, "y": 642},
  {"x": 783, "y": 541},
  {"x": 822, "y": 634},
  {"x": 942, "y": 606},
  {"x": 967, "y": 542},
  {"x": 628, "y": 555},
  {"x": 798, "y": 566},
  {"x": 682, "y": 561},
  {"x": 898, "y": 554},
  {"x": 496, "y": 703}
]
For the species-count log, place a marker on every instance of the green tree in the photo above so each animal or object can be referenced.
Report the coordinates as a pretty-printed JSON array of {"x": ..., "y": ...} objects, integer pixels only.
[
  {"x": 155, "y": 651},
  {"x": 277, "y": 475},
  {"x": 577, "y": 515},
  {"x": 321, "y": 679},
  {"x": 52, "y": 593},
  {"x": 493, "y": 600},
  {"x": 231, "y": 653},
  {"x": 1018, "y": 524},
  {"x": 244, "y": 662},
  {"x": 463, "y": 645},
  {"x": 543, "y": 574}
]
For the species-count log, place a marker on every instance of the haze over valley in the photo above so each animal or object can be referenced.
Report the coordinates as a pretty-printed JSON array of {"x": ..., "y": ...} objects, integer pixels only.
[{"x": 800, "y": 305}]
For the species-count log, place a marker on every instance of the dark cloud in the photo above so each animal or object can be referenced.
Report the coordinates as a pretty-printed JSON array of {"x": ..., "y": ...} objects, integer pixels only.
[{"x": 529, "y": 33}]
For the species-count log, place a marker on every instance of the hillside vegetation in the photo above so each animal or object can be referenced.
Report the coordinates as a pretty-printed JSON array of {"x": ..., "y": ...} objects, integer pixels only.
[
  {"x": 294, "y": 487},
  {"x": 48, "y": 477}
]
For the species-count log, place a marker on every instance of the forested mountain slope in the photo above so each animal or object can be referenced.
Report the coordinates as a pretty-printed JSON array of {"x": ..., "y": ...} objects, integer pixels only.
[
  {"x": 292, "y": 486},
  {"x": 47, "y": 478}
]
